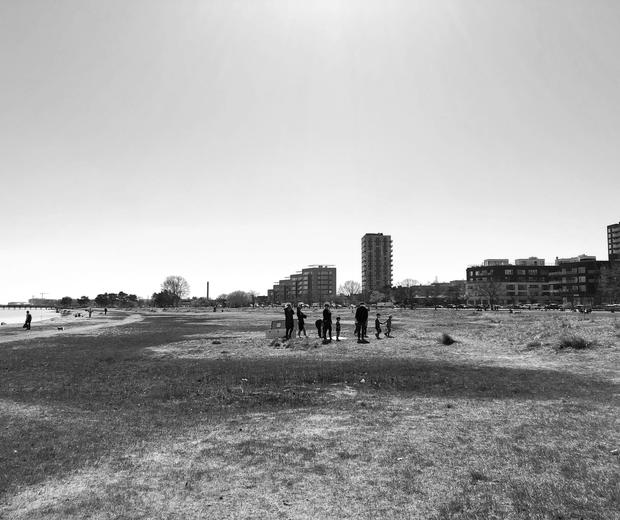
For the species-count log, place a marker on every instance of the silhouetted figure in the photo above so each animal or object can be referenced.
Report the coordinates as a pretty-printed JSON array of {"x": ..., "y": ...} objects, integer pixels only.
[
  {"x": 327, "y": 322},
  {"x": 361, "y": 320},
  {"x": 338, "y": 328},
  {"x": 289, "y": 322},
  {"x": 105, "y": 311},
  {"x": 319, "y": 327},
  {"x": 28, "y": 320},
  {"x": 388, "y": 327},
  {"x": 301, "y": 324},
  {"x": 378, "y": 326}
]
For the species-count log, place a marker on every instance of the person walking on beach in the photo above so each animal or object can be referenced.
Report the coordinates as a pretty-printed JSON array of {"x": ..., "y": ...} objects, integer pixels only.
[
  {"x": 105, "y": 311},
  {"x": 378, "y": 326},
  {"x": 301, "y": 324},
  {"x": 338, "y": 328},
  {"x": 319, "y": 327},
  {"x": 361, "y": 318},
  {"x": 388, "y": 327},
  {"x": 288, "y": 320},
  {"x": 327, "y": 322},
  {"x": 28, "y": 320}
]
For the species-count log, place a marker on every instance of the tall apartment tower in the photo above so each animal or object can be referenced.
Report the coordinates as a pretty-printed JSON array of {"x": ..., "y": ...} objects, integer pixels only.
[
  {"x": 376, "y": 262},
  {"x": 613, "y": 242}
]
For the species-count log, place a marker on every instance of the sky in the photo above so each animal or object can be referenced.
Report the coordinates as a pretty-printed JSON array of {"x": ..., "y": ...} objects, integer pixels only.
[{"x": 237, "y": 142}]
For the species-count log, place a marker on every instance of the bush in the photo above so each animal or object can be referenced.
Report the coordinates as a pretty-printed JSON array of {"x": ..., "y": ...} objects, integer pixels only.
[
  {"x": 446, "y": 339},
  {"x": 575, "y": 342}
]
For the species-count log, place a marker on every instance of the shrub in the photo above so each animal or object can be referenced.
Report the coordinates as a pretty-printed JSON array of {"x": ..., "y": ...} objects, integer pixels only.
[
  {"x": 446, "y": 339},
  {"x": 575, "y": 342}
]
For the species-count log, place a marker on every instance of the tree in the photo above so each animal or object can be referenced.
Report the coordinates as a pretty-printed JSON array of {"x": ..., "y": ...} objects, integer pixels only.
[
  {"x": 66, "y": 301},
  {"x": 376, "y": 297},
  {"x": 408, "y": 284},
  {"x": 490, "y": 289},
  {"x": 83, "y": 301},
  {"x": 164, "y": 299},
  {"x": 238, "y": 299},
  {"x": 350, "y": 288},
  {"x": 177, "y": 286},
  {"x": 102, "y": 300}
]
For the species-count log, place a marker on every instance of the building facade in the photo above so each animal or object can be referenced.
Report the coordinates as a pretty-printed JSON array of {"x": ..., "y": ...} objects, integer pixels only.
[
  {"x": 376, "y": 262},
  {"x": 570, "y": 282},
  {"x": 315, "y": 284},
  {"x": 613, "y": 242}
]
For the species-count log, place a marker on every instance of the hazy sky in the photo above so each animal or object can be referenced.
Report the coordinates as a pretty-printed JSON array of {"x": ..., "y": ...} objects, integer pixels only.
[{"x": 239, "y": 141}]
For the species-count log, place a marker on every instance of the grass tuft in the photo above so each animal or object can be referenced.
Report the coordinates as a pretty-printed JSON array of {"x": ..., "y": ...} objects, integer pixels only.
[
  {"x": 575, "y": 342},
  {"x": 533, "y": 345},
  {"x": 446, "y": 339}
]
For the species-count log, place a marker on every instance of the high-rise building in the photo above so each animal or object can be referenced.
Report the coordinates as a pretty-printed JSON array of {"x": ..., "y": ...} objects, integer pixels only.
[
  {"x": 613, "y": 242},
  {"x": 376, "y": 262}
]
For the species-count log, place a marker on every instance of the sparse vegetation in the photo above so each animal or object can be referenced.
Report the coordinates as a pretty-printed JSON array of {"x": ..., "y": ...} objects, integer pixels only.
[
  {"x": 575, "y": 342},
  {"x": 189, "y": 415}
]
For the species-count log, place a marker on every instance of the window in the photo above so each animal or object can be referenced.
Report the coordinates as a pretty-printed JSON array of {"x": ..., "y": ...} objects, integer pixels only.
[
  {"x": 508, "y": 272},
  {"x": 533, "y": 272},
  {"x": 521, "y": 272}
]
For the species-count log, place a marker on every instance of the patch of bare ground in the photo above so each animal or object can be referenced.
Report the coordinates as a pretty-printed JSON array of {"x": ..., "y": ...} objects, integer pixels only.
[{"x": 190, "y": 416}]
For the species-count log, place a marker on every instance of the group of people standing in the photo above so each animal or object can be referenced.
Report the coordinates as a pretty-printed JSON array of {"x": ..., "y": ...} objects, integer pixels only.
[{"x": 324, "y": 325}]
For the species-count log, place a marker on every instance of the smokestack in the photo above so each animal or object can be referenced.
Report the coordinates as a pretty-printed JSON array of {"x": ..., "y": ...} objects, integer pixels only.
[{"x": 207, "y": 291}]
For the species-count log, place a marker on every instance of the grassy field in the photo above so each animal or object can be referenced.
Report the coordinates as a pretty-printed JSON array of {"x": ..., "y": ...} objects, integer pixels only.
[{"x": 199, "y": 415}]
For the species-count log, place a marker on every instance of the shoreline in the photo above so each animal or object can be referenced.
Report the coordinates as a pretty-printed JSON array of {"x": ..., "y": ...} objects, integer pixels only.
[{"x": 69, "y": 324}]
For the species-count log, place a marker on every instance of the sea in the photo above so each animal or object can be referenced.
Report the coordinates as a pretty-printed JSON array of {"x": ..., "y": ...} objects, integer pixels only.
[{"x": 9, "y": 316}]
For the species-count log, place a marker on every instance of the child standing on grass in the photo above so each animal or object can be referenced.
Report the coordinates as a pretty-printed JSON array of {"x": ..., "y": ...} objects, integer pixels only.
[
  {"x": 388, "y": 327},
  {"x": 378, "y": 326},
  {"x": 337, "y": 328}
]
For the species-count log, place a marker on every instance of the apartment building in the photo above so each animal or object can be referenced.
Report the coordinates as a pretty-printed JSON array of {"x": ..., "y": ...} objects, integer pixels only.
[
  {"x": 376, "y": 262},
  {"x": 571, "y": 281},
  {"x": 313, "y": 284},
  {"x": 613, "y": 242}
]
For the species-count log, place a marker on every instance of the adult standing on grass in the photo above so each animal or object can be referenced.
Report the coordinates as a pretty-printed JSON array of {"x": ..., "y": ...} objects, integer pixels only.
[
  {"x": 327, "y": 322},
  {"x": 28, "y": 320},
  {"x": 301, "y": 324},
  {"x": 288, "y": 320},
  {"x": 361, "y": 319}
]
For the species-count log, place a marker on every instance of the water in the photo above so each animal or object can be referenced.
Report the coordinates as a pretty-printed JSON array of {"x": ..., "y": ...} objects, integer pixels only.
[{"x": 9, "y": 316}]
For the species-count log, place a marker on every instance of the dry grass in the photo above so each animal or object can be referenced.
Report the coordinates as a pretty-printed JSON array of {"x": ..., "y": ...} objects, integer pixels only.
[{"x": 199, "y": 415}]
